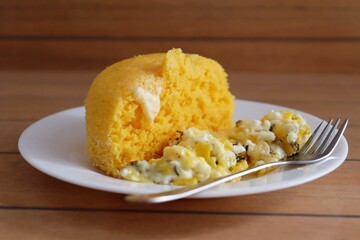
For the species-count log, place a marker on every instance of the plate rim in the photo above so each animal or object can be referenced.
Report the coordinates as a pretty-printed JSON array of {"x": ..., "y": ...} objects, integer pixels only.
[{"x": 211, "y": 193}]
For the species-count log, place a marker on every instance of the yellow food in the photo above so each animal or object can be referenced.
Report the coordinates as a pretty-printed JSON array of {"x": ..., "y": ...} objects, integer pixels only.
[
  {"x": 135, "y": 106},
  {"x": 195, "y": 156},
  {"x": 290, "y": 128}
]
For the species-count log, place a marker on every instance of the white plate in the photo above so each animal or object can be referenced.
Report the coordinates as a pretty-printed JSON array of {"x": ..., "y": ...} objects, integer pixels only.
[{"x": 55, "y": 145}]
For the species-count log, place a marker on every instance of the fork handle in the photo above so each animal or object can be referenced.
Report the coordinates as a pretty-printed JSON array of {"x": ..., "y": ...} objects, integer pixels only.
[{"x": 187, "y": 191}]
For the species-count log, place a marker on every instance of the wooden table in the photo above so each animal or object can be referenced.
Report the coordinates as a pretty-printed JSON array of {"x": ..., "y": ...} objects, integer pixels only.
[
  {"x": 300, "y": 54},
  {"x": 36, "y": 206}
]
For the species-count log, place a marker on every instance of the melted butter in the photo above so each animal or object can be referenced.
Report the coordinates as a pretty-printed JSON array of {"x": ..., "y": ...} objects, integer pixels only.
[{"x": 150, "y": 103}]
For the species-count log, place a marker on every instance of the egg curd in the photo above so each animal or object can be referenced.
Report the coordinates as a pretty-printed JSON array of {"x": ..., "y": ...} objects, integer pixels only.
[{"x": 195, "y": 155}]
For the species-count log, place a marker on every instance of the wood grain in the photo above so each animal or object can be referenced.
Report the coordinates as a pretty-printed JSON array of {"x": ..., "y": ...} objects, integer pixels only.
[
  {"x": 32, "y": 95},
  {"x": 33, "y": 108},
  {"x": 254, "y": 86},
  {"x": 337, "y": 193},
  {"x": 244, "y": 56},
  {"x": 40, "y": 39},
  {"x": 179, "y": 19},
  {"x": 261, "y": 36},
  {"x": 28, "y": 96},
  {"x": 37, "y": 205},
  {"x": 91, "y": 225},
  {"x": 11, "y": 130}
]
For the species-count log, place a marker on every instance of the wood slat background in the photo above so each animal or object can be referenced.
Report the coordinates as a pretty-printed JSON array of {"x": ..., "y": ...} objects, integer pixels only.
[
  {"x": 248, "y": 35},
  {"x": 30, "y": 95},
  {"x": 299, "y": 54},
  {"x": 98, "y": 224},
  {"x": 36, "y": 206}
]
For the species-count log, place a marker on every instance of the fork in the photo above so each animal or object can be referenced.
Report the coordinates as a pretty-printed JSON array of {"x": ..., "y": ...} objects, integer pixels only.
[{"x": 318, "y": 148}]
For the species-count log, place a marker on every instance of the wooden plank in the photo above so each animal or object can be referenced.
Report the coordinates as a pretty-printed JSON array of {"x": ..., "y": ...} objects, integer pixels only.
[
  {"x": 335, "y": 194},
  {"x": 70, "y": 84},
  {"x": 295, "y": 87},
  {"x": 32, "y": 95},
  {"x": 25, "y": 108},
  {"x": 248, "y": 56},
  {"x": 12, "y": 129},
  {"x": 10, "y": 133},
  {"x": 38, "y": 107},
  {"x": 254, "y": 86},
  {"x": 352, "y": 136},
  {"x": 21, "y": 224},
  {"x": 161, "y": 18}
]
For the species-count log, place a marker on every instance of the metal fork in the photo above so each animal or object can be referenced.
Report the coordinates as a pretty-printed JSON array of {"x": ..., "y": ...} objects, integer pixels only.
[{"x": 318, "y": 148}]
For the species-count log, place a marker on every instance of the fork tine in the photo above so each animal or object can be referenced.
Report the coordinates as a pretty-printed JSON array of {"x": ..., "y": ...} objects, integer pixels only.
[
  {"x": 320, "y": 139},
  {"x": 311, "y": 139},
  {"x": 326, "y": 141},
  {"x": 336, "y": 139}
]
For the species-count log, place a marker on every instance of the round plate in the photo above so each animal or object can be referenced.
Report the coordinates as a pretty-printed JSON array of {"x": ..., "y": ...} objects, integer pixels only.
[{"x": 55, "y": 145}]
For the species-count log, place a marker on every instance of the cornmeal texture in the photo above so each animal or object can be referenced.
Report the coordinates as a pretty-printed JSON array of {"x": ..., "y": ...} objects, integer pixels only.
[{"x": 193, "y": 92}]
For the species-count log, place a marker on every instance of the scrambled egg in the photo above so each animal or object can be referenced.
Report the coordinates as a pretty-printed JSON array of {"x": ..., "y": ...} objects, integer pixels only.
[{"x": 195, "y": 156}]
